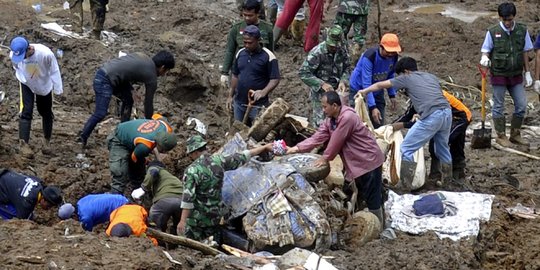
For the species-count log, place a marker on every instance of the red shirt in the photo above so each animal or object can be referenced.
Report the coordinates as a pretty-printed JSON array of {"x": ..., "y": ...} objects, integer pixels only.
[{"x": 348, "y": 137}]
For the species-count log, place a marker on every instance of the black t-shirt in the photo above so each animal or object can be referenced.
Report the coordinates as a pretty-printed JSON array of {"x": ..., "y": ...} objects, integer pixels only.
[{"x": 21, "y": 191}]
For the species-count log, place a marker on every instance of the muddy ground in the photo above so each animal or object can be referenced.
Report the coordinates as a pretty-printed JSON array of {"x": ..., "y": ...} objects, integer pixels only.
[{"x": 195, "y": 31}]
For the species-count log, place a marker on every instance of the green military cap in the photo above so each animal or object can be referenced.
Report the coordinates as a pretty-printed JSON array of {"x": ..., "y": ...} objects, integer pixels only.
[
  {"x": 166, "y": 140},
  {"x": 334, "y": 36},
  {"x": 195, "y": 143}
]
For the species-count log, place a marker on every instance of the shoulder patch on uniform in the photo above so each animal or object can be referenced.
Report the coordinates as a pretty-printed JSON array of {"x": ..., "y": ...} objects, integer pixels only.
[
  {"x": 271, "y": 55},
  {"x": 238, "y": 53}
]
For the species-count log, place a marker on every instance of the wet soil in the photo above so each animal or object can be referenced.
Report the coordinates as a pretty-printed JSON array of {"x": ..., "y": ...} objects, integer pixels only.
[{"x": 195, "y": 31}]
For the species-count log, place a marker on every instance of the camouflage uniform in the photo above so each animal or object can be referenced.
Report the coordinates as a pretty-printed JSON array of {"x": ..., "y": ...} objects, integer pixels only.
[
  {"x": 353, "y": 13},
  {"x": 202, "y": 193},
  {"x": 98, "y": 9},
  {"x": 129, "y": 145},
  {"x": 320, "y": 67}
]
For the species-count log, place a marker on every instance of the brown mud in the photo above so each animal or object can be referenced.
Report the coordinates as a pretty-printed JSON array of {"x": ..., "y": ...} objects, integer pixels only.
[{"x": 195, "y": 31}]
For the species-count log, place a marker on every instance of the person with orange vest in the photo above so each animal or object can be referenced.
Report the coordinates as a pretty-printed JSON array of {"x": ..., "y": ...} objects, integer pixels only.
[
  {"x": 461, "y": 118},
  {"x": 129, "y": 145},
  {"x": 129, "y": 219}
]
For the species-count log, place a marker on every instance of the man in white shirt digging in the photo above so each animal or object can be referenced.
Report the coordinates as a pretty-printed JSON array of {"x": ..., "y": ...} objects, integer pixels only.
[{"x": 37, "y": 70}]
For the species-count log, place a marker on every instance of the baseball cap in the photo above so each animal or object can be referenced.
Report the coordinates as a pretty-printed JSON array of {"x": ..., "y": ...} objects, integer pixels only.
[
  {"x": 333, "y": 38},
  {"x": 66, "y": 211},
  {"x": 252, "y": 31},
  {"x": 52, "y": 195},
  {"x": 390, "y": 43},
  {"x": 121, "y": 230},
  {"x": 166, "y": 140},
  {"x": 18, "y": 47}
]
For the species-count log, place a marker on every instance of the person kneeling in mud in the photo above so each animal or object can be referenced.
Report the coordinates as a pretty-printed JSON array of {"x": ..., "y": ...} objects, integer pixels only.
[
  {"x": 20, "y": 194},
  {"x": 201, "y": 202},
  {"x": 93, "y": 209},
  {"x": 129, "y": 219},
  {"x": 166, "y": 191}
]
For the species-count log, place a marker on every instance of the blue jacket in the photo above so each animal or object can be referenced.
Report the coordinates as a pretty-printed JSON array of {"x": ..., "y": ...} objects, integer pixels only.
[
  {"x": 372, "y": 68},
  {"x": 95, "y": 209}
]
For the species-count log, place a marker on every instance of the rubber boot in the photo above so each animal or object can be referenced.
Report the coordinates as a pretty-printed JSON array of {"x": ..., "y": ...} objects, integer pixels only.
[
  {"x": 446, "y": 174},
  {"x": 500, "y": 129},
  {"x": 25, "y": 125},
  {"x": 96, "y": 34},
  {"x": 408, "y": 168},
  {"x": 458, "y": 170},
  {"x": 515, "y": 133},
  {"x": 298, "y": 27},
  {"x": 47, "y": 125},
  {"x": 435, "y": 169},
  {"x": 380, "y": 216}
]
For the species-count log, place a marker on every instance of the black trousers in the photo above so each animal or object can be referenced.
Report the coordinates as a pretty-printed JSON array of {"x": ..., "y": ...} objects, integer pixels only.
[
  {"x": 44, "y": 107},
  {"x": 456, "y": 141}
]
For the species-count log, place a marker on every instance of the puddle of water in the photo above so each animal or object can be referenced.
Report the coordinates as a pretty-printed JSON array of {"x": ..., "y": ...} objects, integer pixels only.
[{"x": 446, "y": 10}]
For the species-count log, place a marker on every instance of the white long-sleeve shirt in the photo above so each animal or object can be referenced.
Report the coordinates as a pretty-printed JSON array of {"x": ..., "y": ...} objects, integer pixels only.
[{"x": 40, "y": 72}]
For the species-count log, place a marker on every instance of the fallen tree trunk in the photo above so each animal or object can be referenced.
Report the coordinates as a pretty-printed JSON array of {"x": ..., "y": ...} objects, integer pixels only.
[{"x": 180, "y": 240}]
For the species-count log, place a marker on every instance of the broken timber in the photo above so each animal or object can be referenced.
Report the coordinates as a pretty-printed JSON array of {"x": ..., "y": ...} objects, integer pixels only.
[{"x": 180, "y": 240}]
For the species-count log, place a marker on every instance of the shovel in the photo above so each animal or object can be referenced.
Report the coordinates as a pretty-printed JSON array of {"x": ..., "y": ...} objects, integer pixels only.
[
  {"x": 249, "y": 105},
  {"x": 482, "y": 137}
]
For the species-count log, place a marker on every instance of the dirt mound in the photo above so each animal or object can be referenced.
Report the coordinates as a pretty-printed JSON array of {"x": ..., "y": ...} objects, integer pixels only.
[{"x": 195, "y": 31}]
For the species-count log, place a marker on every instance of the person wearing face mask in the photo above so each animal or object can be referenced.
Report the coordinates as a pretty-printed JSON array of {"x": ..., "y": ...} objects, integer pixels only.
[
  {"x": 326, "y": 68},
  {"x": 375, "y": 65},
  {"x": 504, "y": 51}
]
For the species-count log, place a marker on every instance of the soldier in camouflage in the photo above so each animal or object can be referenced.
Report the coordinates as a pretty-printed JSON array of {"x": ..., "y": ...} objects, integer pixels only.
[
  {"x": 129, "y": 145},
  {"x": 98, "y": 8},
  {"x": 353, "y": 13},
  {"x": 326, "y": 68},
  {"x": 202, "y": 207}
]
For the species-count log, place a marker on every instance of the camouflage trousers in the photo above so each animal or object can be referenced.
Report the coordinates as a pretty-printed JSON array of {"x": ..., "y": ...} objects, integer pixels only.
[
  {"x": 316, "y": 116},
  {"x": 123, "y": 169},
  {"x": 98, "y": 10},
  {"x": 359, "y": 24}
]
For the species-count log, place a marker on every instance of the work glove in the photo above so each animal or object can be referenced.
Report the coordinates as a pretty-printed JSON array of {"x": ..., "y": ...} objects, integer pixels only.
[
  {"x": 528, "y": 79},
  {"x": 137, "y": 193},
  {"x": 224, "y": 81},
  {"x": 484, "y": 61},
  {"x": 537, "y": 86}
]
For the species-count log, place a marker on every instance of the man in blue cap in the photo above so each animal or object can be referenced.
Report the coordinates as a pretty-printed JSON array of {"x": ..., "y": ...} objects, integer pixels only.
[
  {"x": 37, "y": 70},
  {"x": 255, "y": 74}
]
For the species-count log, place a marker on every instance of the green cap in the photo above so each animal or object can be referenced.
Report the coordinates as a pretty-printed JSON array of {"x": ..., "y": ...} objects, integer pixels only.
[
  {"x": 166, "y": 140},
  {"x": 334, "y": 36},
  {"x": 195, "y": 143}
]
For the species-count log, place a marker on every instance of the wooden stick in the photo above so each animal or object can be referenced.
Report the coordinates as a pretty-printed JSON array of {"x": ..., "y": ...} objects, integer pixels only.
[
  {"x": 174, "y": 239},
  {"x": 240, "y": 253},
  {"x": 171, "y": 259},
  {"x": 514, "y": 151}
]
